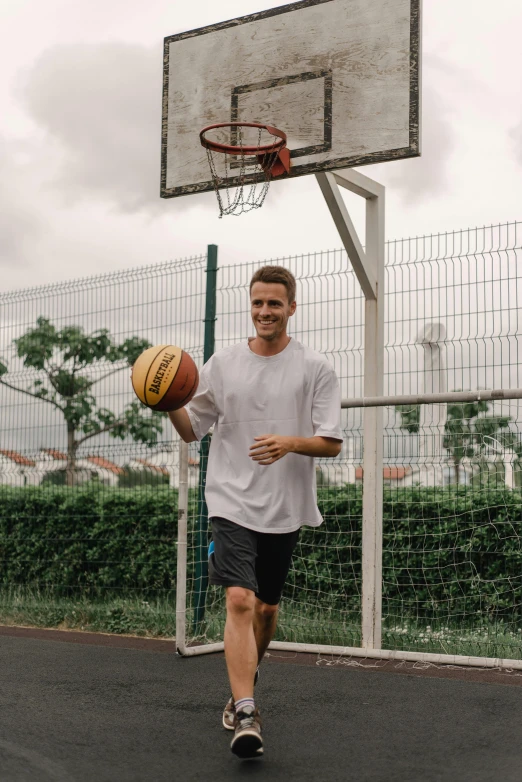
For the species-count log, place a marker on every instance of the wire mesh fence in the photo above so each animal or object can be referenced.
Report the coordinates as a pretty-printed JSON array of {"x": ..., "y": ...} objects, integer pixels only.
[{"x": 451, "y": 570}]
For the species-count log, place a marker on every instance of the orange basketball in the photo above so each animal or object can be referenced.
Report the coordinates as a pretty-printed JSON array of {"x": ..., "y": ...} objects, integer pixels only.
[{"x": 165, "y": 378}]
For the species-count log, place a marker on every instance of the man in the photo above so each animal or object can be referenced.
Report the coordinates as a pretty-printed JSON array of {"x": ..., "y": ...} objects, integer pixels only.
[{"x": 275, "y": 405}]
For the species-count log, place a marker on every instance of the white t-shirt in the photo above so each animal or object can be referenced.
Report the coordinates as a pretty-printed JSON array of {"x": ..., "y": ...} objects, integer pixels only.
[{"x": 295, "y": 392}]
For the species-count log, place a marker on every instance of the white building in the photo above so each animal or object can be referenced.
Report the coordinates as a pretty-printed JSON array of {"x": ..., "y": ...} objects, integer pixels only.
[
  {"x": 167, "y": 461},
  {"x": 17, "y": 470},
  {"x": 87, "y": 468}
]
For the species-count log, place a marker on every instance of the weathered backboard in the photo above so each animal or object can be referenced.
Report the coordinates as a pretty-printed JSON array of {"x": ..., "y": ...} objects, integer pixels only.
[{"x": 340, "y": 77}]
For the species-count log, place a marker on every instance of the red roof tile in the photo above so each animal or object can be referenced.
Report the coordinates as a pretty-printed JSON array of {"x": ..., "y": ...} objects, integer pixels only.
[
  {"x": 54, "y": 454},
  {"x": 105, "y": 464},
  {"x": 388, "y": 473},
  {"x": 154, "y": 467},
  {"x": 17, "y": 458}
]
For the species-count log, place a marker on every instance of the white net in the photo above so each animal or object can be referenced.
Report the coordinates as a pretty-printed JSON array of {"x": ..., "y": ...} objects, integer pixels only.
[{"x": 452, "y": 546}]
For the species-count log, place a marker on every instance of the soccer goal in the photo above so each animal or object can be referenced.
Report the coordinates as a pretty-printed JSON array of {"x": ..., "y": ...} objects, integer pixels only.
[{"x": 441, "y": 562}]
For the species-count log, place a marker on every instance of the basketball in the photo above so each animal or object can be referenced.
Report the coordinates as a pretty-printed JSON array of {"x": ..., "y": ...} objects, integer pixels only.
[{"x": 165, "y": 378}]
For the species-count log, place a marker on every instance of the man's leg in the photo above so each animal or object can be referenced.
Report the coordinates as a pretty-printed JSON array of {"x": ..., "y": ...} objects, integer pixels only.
[
  {"x": 265, "y": 623},
  {"x": 241, "y": 651}
]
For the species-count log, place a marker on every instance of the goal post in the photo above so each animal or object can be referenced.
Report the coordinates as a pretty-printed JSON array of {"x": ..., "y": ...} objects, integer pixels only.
[{"x": 452, "y": 567}]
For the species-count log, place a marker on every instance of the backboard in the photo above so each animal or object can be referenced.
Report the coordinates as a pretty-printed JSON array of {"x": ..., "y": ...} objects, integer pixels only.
[{"x": 340, "y": 77}]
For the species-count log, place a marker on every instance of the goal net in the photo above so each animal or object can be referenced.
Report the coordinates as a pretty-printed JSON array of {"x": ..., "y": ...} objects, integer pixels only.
[{"x": 451, "y": 544}]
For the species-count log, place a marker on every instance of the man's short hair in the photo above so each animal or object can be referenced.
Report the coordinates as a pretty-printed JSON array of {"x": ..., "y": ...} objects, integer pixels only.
[{"x": 276, "y": 274}]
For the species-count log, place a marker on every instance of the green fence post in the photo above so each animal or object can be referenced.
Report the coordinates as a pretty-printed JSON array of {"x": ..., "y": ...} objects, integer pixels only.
[{"x": 201, "y": 573}]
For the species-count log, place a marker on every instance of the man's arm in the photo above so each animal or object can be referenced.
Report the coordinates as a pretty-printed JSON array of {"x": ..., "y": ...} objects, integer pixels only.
[
  {"x": 269, "y": 448},
  {"x": 203, "y": 410},
  {"x": 316, "y": 446},
  {"x": 182, "y": 425}
]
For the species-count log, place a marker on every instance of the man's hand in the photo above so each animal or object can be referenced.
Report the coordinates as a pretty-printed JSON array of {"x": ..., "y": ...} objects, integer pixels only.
[{"x": 270, "y": 447}]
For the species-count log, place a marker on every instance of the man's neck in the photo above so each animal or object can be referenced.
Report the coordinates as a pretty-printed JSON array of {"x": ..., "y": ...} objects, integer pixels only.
[{"x": 264, "y": 347}]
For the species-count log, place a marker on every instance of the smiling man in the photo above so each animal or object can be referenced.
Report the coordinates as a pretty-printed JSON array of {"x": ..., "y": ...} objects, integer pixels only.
[{"x": 275, "y": 405}]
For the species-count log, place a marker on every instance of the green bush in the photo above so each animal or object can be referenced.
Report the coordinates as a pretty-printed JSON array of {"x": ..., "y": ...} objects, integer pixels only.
[
  {"x": 453, "y": 551},
  {"x": 91, "y": 538},
  {"x": 130, "y": 478}
]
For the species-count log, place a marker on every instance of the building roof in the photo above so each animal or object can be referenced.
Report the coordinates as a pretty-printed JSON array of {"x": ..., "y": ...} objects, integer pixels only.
[
  {"x": 388, "y": 473},
  {"x": 17, "y": 458},
  {"x": 105, "y": 464},
  {"x": 153, "y": 467},
  {"x": 54, "y": 454}
]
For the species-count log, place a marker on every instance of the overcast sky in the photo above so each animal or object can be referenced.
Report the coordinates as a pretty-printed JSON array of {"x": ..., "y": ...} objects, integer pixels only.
[{"x": 80, "y": 86}]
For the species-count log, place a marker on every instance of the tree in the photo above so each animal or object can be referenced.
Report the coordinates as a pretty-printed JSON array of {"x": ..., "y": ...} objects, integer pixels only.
[
  {"x": 466, "y": 431},
  {"x": 62, "y": 359}
]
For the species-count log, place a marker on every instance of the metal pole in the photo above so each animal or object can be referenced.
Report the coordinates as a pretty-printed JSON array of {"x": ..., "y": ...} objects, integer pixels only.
[
  {"x": 495, "y": 395},
  {"x": 373, "y": 432},
  {"x": 201, "y": 572},
  {"x": 181, "y": 574},
  {"x": 368, "y": 265}
]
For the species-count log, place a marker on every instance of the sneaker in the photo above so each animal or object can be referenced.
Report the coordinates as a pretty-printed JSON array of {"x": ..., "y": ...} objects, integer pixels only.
[
  {"x": 229, "y": 712},
  {"x": 247, "y": 741},
  {"x": 229, "y": 715}
]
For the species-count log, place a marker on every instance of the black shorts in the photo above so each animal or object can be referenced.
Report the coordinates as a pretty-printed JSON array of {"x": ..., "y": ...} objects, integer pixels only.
[{"x": 243, "y": 557}]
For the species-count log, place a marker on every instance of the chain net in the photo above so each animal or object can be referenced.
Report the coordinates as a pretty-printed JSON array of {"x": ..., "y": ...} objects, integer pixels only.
[{"x": 241, "y": 181}]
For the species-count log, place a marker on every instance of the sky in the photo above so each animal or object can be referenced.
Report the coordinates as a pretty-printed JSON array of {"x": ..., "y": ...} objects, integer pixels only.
[{"x": 80, "y": 89}]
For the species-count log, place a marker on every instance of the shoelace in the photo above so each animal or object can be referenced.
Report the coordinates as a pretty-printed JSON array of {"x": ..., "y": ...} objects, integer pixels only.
[{"x": 245, "y": 719}]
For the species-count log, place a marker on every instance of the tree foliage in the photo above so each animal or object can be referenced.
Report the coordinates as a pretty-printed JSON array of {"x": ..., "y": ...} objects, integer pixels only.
[
  {"x": 467, "y": 432},
  {"x": 70, "y": 363}
]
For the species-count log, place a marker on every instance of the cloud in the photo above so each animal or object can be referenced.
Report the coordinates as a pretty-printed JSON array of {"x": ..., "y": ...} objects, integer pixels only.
[
  {"x": 428, "y": 176},
  {"x": 20, "y": 224},
  {"x": 100, "y": 106}
]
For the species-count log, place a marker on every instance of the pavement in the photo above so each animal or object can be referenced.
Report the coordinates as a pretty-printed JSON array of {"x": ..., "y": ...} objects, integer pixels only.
[{"x": 73, "y": 711}]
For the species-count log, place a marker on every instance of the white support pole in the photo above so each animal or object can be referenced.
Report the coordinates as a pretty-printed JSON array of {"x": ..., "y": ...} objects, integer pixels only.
[
  {"x": 181, "y": 577},
  {"x": 343, "y": 223},
  {"x": 373, "y": 432},
  {"x": 368, "y": 266},
  {"x": 494, "y": 395}
]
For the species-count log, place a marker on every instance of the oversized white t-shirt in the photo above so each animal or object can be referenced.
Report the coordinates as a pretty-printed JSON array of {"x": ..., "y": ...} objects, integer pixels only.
[{"x": 296, "y": 393}]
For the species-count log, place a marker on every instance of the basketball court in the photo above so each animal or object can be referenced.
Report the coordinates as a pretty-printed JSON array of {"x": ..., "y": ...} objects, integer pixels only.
[
  {"x": 313, "y": 88},
  {"x": 83, "y": 707}
]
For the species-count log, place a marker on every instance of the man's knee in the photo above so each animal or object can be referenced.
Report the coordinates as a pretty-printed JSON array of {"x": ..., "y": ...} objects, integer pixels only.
[
  {"x": 266, "y": 613},
  {"x": 240, "y": 600}
]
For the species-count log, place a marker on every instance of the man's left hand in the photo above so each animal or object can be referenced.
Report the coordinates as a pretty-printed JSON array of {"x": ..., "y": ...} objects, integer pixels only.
[{"x": 270, "y": 447}]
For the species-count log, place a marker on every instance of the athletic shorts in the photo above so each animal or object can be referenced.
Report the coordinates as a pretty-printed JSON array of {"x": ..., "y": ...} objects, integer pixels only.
[{"x": 242, "y": 557}]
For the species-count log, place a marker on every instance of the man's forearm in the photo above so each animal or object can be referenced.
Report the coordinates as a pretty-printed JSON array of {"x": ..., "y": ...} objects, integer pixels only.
[
  {"x": 182, "y": 425},
  {"x": 316, "y": 446}
]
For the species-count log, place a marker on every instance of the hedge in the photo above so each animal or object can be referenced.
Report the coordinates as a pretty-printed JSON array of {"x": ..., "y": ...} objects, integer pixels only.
[
  {"x": 455, "y": 551},
  {"x": 98, "y": 539}
]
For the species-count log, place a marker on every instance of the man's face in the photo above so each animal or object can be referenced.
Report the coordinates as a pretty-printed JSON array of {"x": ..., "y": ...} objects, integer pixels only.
[{"x": 270, "y": 309}]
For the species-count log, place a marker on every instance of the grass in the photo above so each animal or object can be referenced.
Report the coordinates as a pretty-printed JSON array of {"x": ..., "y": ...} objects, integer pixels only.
[{"x": 156, "y": 618}]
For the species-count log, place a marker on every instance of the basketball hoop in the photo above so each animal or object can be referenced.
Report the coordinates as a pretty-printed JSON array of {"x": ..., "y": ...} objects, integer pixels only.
[{"x": 248, "y": 148}]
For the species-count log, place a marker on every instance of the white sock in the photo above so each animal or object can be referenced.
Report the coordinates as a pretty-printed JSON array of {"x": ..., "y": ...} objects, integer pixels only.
[{"x": 243, "y": 703}]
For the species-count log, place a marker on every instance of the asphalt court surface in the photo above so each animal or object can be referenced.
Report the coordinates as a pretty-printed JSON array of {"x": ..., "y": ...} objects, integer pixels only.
[{"x": 99, "y": 710}]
